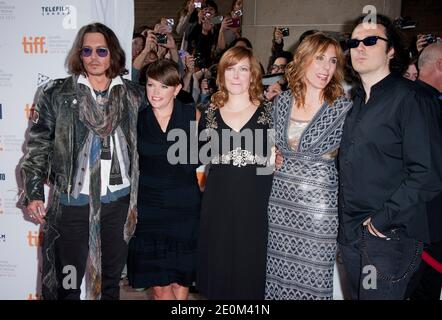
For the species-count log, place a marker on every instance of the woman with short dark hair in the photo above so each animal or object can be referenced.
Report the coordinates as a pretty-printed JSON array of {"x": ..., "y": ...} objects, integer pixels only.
[{"x": 162, "y": 252}]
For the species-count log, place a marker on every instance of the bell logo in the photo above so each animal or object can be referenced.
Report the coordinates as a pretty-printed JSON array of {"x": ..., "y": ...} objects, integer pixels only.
[
  {"x": 34, "y": 45},
  {"x": 35, "y": 238}
]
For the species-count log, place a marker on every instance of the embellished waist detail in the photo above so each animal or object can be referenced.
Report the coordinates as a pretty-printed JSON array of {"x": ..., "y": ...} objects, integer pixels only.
[{"x": 239, "y": 158}]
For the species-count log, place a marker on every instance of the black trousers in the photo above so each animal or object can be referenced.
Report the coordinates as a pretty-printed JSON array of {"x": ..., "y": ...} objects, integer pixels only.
[
  {"x": 71, "y": 249},
  {"x": 380, "y": 269}
]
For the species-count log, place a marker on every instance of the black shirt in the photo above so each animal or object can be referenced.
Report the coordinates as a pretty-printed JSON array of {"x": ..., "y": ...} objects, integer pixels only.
[
  {"x": 389, "y": 159},
  {"x": 434, "y": 207}
]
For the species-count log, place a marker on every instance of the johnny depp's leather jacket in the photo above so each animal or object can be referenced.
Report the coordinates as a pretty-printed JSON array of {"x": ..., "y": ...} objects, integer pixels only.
[{"x": 57, "y": 135}]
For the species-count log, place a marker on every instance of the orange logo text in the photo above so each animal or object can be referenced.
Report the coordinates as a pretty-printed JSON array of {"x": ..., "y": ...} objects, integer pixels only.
[{"x": 34, "y": 45}]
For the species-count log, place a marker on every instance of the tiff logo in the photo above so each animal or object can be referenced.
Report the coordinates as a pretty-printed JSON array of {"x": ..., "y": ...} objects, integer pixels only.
[
  {"x": 29, "y": 110},
  {"x": 34, "y": 45},
  {"x": 35, "y": 239},
  {"x": 34, "y": 297}
]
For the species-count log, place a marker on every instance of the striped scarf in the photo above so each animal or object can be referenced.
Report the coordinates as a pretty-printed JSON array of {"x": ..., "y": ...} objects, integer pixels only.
[{"x": 102, "y": 124}]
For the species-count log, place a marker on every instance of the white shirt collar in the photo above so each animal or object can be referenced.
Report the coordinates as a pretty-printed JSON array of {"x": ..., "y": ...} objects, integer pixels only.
[{"x": 84, "y": 80}]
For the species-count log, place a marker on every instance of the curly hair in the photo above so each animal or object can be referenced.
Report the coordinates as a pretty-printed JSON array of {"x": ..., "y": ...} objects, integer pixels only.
[
  {"x": 295, "y": 72},
  {"x": 230, "y": 58}
]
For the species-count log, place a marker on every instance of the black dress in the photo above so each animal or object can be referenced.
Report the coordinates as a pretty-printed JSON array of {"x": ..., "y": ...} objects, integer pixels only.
[
  {"x": 233, "y": 234},
  {"x": 164, "y": 245}
]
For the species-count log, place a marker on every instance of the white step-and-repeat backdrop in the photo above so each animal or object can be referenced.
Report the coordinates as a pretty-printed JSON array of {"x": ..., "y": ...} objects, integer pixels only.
[{"x": 35, "y": 37}]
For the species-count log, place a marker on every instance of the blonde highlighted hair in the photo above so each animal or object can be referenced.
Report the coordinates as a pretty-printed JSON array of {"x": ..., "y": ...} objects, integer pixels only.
[
  {"x": 230, "y": 58},
  {"x": 295, "y": 72}
]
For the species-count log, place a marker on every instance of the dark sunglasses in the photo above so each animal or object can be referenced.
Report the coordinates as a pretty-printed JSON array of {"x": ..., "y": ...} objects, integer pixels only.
[
  {"x": 368, "y": 42},
  {"x": 278, "y": 66},
  {"x": 87, "y": 52}
]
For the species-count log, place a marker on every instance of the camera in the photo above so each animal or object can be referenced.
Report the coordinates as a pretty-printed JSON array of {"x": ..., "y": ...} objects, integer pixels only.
[
  {"x": 216, "y": 20},
  {"x": 197, "y": 4},
  {"x": 170, "y": 23},
  {"x": 430, "y": 38},
  {"x": 237, "y": 14},
  {"x": 236, "y": 22},
  {"x": 200, "y": 60},
  {"x": 285, "y": 31},
  {"x": 161, "y": 38}
]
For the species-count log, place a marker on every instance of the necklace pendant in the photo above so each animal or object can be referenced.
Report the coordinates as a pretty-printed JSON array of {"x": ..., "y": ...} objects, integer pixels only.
[{"x": 101, "y": 100}]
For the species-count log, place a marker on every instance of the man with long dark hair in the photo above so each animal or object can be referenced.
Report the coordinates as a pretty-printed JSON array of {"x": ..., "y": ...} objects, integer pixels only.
[
  {"x": 389, "y": 166},
  {"x": 83, "y": 142}
]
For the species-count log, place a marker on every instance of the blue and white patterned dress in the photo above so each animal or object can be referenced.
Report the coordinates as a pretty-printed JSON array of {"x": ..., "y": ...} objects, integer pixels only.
[{"x": 303, "y": 205}]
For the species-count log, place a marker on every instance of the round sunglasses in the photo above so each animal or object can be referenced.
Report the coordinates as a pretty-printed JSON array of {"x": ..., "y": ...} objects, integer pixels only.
[
  {"x": 87, "y": 52},
  {"x": 368, "y": 42}
]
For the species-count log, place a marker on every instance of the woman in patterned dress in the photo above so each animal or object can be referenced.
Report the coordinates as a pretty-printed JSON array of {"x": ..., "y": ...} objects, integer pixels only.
[{"x": 303, "y": 212}]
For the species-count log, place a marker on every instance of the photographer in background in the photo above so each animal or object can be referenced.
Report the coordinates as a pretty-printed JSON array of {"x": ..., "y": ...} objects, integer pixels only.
[
  {"x": 279, "y": 62},
  {"x": 188, "y": 19},
  {"x": 204, "y": 86},
  {"x": 277, "y": 49},
  {"x": 424, "y": 40},
  {"x": 159, "y": 44},
  {"x": 277, "y": 43},
  {"x": 202, "y": 39},
  {"x": 273, "y": 85},
  {"x": 147, "y": 55},
  {"x": 166, "y": 44},
  {"x": 138, "y": 42},
  {"x": 230, "y": 27}
]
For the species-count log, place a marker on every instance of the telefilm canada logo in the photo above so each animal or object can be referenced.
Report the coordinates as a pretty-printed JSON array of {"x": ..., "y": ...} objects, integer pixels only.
[
  {"x": 55, "y": 10},
  {"x": 67, "y": 12}
]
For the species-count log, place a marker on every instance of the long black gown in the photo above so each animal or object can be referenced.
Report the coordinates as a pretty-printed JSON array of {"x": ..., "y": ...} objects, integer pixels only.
[
  {"x": 233, "y": 234},
  {"x": 163, "y": 249}
]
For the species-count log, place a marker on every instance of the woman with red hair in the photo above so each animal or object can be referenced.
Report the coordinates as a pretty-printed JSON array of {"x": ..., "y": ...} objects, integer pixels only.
[{"x": 233, "y": 233}]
